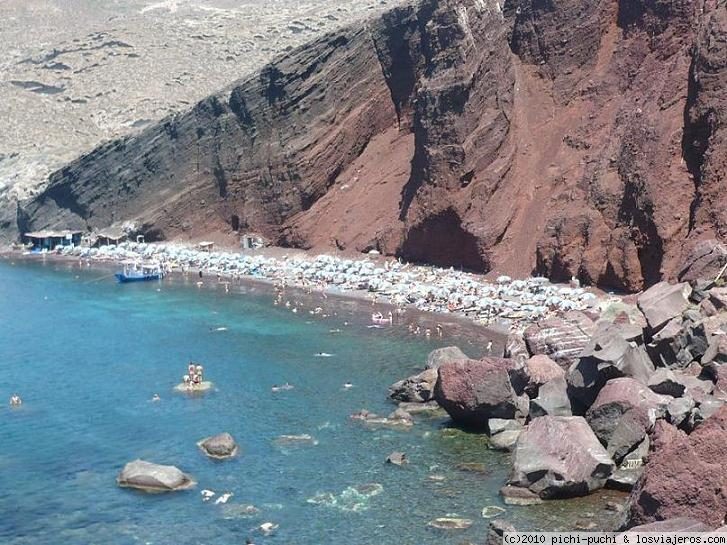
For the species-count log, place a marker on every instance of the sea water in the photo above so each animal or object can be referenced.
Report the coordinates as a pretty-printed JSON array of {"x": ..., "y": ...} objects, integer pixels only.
[{"x": 87, "y": 354}]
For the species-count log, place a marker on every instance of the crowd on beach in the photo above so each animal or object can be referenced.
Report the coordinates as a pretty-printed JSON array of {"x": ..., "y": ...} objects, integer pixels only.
[{"x": 385, "y": 280}]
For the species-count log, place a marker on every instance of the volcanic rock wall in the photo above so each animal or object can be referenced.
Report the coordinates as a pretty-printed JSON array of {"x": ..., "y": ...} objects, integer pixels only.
[{"x": 569, "y": 138}]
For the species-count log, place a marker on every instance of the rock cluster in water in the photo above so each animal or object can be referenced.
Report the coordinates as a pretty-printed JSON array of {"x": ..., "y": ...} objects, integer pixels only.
[
  {"x": 429, "y": 289},
  {"x": 630, "y": 401}
]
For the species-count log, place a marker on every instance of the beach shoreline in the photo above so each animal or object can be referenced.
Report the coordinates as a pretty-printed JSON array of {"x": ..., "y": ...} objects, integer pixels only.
[
  {"x": 432, "y": 298},
  {"x": 457, "y": 328}
]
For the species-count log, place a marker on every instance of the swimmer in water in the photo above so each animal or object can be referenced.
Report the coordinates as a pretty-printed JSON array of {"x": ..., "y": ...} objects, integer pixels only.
[
  {"x": 156, "y": 397},
  {"x": 15, "y": 401}
]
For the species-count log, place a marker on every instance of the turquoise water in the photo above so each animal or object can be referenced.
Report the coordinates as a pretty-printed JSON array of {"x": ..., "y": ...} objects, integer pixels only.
[{"x": 86, "y": 355}]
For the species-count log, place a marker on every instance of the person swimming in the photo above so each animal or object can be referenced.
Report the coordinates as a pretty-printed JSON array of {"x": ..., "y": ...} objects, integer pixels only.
[
  {"x": 156, "y": 397},
  {"x": 15, "y": 401}
]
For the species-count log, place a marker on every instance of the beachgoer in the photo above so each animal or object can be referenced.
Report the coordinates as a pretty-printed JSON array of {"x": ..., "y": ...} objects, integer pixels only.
[
  {"x": 200, "y": 371},
  {"x": 197, "y": 380},
  {"x": 156, "y": 397},
  {"x": 440, "y": 330},
  {"x": 191, "y": 368},
  {"x": 15, "y": 401},
  {"x": 489, "y": 346},
  {"x": 427, "y": 332},
  {"x": 200, "y": 274}
]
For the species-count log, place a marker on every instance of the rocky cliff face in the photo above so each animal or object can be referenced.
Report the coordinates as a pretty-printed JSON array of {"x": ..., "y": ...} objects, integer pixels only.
[{"x": 568, "y": 138}]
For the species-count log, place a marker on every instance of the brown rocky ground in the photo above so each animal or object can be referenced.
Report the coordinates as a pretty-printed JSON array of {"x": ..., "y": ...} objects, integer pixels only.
[{"x": 566, "y": 138}]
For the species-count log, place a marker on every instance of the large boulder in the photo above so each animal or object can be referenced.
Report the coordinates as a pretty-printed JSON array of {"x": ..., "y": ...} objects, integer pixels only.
[
  {"x": 560, "y": 456},
  {"x": 540, "y": 369},
  {"x": 623, "y": 413},
  {"x": 504, "y": 433},
  {"x": 664, "y": 301},
  {"x": 561, "y": 339},
  {"x": 220, "y": 446},
  {"x": 552, "y": 399},
  {"x": 716, "y": 352},
  {"x": 704, "y": 261},
  {"x": 444, "y": 355},
  {"x": 474, "y": 391},
  {"x": 415, "y": 389},
  {"x": 686, "y": 474},
  {"x": 151, "y": 477},
  {"x": 608, "y": 355}
]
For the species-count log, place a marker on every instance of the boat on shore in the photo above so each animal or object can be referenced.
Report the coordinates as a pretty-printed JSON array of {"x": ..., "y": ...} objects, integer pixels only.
[{"x": 135, "y": 272}]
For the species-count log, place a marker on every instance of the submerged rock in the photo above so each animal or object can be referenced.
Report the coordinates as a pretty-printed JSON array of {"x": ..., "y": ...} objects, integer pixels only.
[
  {"x": 151, "y": 477},
  {"x": 397, "y": 458},
  {"x": 560, "y": 456},
  {"x": 200, "y": 388},
  {"x": 450, "y": 523},
  {"x": 301, "y": 439},
  {"x": 352, "y": 499}
]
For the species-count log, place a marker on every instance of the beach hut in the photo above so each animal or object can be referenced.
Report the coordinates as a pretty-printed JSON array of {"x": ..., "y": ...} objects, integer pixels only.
[
  {"x": 109, "y": 237},
  {"x": 206, "y": 246},
  {"x": 50, "y": 240}
]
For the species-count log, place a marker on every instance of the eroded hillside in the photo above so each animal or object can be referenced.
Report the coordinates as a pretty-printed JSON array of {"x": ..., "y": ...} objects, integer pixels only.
[{"x": 569, "y": 138}]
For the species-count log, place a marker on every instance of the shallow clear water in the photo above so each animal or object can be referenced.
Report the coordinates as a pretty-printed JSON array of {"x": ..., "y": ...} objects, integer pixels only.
[{"x": 87, "y": 355}]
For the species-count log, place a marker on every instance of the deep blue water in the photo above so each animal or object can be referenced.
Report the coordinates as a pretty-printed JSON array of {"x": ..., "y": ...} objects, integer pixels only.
[{"x": 86, "y": 355}]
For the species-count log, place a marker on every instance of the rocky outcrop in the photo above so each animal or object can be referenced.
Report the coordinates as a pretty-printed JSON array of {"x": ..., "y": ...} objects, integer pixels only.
[
  {"x": 684, "y": 475},
  {"x": 623, "y": 414},
  {"x": 704, "y": 261},
  {"x": 560, "y": 457},
  {"x": 220, "y": 446},
  {"x": 150, "y": 477},
  {"x": 519, "y": 136}
]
